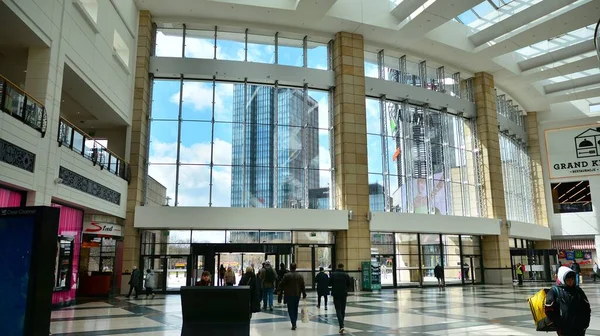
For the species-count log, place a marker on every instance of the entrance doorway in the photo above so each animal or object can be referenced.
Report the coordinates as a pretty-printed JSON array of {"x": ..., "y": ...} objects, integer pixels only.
[{"x": 471, "y": 270}]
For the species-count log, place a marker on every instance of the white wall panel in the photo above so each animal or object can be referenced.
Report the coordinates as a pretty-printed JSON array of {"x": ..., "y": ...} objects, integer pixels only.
[
  {"x": 84, "y": 167},
  {"x": 528, "y": 231},
  {"x": 205, "y": 218},
  {"x": 420, "y": 223}
]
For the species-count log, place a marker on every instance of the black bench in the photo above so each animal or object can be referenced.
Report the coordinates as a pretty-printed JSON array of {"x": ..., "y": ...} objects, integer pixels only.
[{"x": 215, "y": 311}]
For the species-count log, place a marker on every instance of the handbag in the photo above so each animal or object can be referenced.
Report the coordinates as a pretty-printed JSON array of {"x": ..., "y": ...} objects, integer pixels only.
[{"x": 304, "y": 312}]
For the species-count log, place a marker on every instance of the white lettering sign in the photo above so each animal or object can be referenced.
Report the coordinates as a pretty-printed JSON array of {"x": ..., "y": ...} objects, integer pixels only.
[
  {"x": 573, "y": 151},
  {"x": 105, "y": 229}
]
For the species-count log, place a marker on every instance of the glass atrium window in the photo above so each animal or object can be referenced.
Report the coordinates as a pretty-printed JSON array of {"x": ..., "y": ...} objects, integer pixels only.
[
  {"x": 518, "y": 185},
  {"x": 419, "y": 160},
  {"x": 241, "y": 145}
]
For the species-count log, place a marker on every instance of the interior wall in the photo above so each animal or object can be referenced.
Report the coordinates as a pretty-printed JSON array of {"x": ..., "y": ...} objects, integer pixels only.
[
  {"x": 13, "y": 64},
  {"x": 568, "y": 224},
  {"x": 114, "y": 135}
]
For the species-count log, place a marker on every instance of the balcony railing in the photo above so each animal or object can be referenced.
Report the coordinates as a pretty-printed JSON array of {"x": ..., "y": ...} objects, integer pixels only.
[
  {"x": 78, "y": 141},
  {"x": 17, "y": 103},
  {"x": 570, "y": 207}
]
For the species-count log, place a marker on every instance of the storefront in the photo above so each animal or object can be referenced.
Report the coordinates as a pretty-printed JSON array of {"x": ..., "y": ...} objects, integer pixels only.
[
  {"x": 409, "y": 259},
  {"x": 101, "y": 255},
  {"x": 178, "y": 257},
  {"x": 11, "y": 198},
  {"x": 66, "y": 274},
  {"x": 581, "y": 250},
  {"x": 539, "y": 263}
]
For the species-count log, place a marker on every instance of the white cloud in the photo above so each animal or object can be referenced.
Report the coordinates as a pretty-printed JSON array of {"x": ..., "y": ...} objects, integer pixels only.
[{"x": 200, "y": 95}]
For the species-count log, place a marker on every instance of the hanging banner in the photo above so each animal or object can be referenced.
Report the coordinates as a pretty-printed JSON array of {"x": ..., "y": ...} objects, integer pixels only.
[
  {"x": 562, "y": 254},
  {"x": 578, "y": 254},
  {"x": 573, "y": 151},
  {"x": 570, "y": 255},
  {"x": 587, "y": 255}
]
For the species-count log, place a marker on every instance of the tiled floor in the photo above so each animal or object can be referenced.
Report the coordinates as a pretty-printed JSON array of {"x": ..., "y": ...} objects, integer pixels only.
[{"x": 479, "y": 310}]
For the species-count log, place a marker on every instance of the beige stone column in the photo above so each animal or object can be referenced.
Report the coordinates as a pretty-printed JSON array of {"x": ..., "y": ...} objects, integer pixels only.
[
  {"x": 139, "y": 137},
  {"x": 350, "y": 132},
  {"x": 537, "y": 177},
  {"x": 496, "y": 252}
]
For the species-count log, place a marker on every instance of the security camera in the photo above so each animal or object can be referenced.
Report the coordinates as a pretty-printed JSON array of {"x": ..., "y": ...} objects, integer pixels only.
[{"x": 58, "y": 180}]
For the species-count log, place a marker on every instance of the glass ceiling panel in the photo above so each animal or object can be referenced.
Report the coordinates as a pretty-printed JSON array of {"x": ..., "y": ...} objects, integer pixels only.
[
  {"x": 490, "y": 12},
  {"x": 572, "y": 76},
  {"x": 563, "y": 41}
]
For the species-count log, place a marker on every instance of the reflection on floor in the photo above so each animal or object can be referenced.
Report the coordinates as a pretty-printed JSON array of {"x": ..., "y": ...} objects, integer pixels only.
[{"x": 478, "y": 310}]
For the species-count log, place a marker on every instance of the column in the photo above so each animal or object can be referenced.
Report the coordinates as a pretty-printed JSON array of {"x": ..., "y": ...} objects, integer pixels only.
[
  {"x": 350, "y": 132},
  {"x": 496, "y": 252},
  {"x": 139, "y": 138},
  {"x": 539, "y": 191}
]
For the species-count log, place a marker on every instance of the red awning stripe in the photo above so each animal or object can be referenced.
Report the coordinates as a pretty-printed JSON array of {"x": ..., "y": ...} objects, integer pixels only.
[{"x": 574, "y": 244}]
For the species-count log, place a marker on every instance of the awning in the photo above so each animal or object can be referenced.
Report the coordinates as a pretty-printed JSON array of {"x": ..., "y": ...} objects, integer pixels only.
[{"x": 574, "y": 244}]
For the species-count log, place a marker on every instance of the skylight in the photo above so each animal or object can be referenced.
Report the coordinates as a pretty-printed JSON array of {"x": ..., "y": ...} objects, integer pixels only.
[
  {"x": 563, "y": 41},
  {"x": 490, "y": 12}
]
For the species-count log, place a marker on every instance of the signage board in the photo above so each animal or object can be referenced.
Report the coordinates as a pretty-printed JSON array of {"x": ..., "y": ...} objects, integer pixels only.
[
  {"x": 573, "y": 151},
  {"x": 587, "y": 255},
  {"x": 104, "y": 229},
  {"x": 570, "y": 255}
]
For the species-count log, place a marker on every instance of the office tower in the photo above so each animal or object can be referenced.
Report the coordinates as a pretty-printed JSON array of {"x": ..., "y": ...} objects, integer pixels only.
[{"x": 271, "y": 148}]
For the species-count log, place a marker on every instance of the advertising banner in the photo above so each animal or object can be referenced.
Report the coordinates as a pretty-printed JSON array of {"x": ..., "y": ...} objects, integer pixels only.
[
  {"x": 587, "y": 255},
  {"x": 562, "y": 254},
  {"x": 573, "y": 151},
  {"x": 578, "y": 254},
  {"x": 104, "y": 229},
  {"x": 570, "y": 255}
]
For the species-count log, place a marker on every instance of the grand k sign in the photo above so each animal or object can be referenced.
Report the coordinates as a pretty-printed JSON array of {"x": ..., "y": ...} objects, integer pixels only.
[
  {"x": 573, "y": 151},
  {"x": 104, "y": 229}
]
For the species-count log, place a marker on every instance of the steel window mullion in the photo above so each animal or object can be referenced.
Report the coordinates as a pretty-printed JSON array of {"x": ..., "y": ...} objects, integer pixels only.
[
  {"x": 277, "y": 48},
  {"x": 178, "y": 162},
  {"x": 212, "y": 142},
  {"x": 428, "y": 159},
  {"x": 244, "y": 186},
  {"x": 407, "y": 113},
  {"x": 402, "y": 65},
  {"x": 305, "y": 52},
  {"x": 385, "y": 159},
  {"x": 464, "y": 178},
  {"x": 448, "y": 159},
  {"x": 275, "y": 187},
  {"x": 332, "y": 200},
  {"x": 246, "y": 45},
  {"x": 305, "y": 143},
  {"x": 184, "y": 37},
  {"x": 215, "y": 44},
  {"x": 380, "y": 64}
]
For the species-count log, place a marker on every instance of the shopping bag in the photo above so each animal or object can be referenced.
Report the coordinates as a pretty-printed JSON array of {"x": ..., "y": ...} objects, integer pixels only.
[
  {"x": 537, "y": 304},
  {"x": 304, "y": 312}
]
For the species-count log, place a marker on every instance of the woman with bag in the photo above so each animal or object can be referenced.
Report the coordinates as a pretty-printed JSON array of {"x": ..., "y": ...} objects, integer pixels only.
[
  {"x": 249, "y": 279},
  {"x": 229, "y": 277}
]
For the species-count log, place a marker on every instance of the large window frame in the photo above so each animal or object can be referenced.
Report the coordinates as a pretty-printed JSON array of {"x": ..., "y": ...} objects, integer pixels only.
[
  {"x": 401, "y": 132},
  {"x": 307, "y": 129},
  {"x": 518, "y": 183}
]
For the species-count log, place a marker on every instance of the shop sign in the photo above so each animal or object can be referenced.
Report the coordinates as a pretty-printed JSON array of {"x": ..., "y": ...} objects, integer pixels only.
[
  {"x": 104, "y": 229},
  {"x": 587, "y": 255},
  {"x": 570, "y": 255},
  {"x": 578, "y": 254},
  {"x": 562, "y": 254},
  {"x": 573, "y": 151}
]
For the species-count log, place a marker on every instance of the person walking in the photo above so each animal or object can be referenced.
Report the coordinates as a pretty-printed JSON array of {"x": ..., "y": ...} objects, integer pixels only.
[
  {"x": 229, "y": 277},
  {"x": 577, "y": 269},
  {"x": 222, "y": 271},
  {"x": 150, "y": 283},
  {"x": 135, "y": 282},
  {"x": 249, "y": 279},
  {"x": 322, "y": 281},
  {"x": 567, "y": 306},
  {"x": 281, "y": 272},
  {"x": 292, "y": 285},
  {"x": 438, "y": 271},
  {"x": 268, "y": 277},
  {"x": 340, "y": 282},
  {"x": 595, "y": 274}
]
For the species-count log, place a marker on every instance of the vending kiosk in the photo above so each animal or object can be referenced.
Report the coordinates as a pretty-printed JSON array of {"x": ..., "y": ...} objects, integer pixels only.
[{"x": 371, "y": 275}]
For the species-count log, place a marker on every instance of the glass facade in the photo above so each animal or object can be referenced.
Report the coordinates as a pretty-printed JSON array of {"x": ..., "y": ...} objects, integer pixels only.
[
  {"x": 409, "y": 259},
  {"x": 420, "y": 160},
  {"x": 518, "y": 185},
  {"x": 227, "y": 144}
]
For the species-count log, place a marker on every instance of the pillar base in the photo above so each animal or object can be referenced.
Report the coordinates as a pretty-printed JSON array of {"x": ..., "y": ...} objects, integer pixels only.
[{"x": 498, "y": 276}]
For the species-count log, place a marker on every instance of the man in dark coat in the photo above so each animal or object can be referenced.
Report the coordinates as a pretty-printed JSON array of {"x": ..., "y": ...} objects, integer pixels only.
[
  {"x": 577, "y": 269},
  {"x": 340, "y": 282},
  {"x": 281, "y": 272},
  {"x": 322, "y": 282},
  {"x": 135, "y": 282},
  {"x": 249, "y": 279},
  {"x": 438, "y": 271}
]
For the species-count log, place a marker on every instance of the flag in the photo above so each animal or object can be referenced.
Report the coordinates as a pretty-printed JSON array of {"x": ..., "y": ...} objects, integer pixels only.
[{"x": 396, "y": 154}]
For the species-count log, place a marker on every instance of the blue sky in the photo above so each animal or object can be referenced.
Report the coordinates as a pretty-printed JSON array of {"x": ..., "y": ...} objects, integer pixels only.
[{"x": 196, "y": 130}]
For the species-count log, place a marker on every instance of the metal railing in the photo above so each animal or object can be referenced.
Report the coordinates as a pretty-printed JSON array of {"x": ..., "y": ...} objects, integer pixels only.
[
  {"x": 570, "y": 207},
  {"x": 17, "y": 103},
  {"x": 78, "y": 141}
]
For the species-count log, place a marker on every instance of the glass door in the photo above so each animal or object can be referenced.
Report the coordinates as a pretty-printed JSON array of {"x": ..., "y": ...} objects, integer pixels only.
[
  {"x": 157, "y": 265},
  {"x": 471, "y": 269},
  {"x": 176, "y": 273},
  {"x": 387, "y": 269}
]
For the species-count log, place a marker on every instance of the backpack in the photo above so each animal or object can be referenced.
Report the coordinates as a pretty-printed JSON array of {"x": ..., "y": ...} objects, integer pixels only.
[
  {"x": 537, "y": 304},
  {"x": 270, "y": 275}
]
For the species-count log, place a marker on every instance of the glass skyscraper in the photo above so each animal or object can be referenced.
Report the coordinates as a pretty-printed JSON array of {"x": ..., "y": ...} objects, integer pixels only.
[{"x": 275, "y": 149}]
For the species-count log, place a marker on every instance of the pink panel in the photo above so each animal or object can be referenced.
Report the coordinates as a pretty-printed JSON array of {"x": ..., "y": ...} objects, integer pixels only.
[
  {"x": 9, "y": 198},
  {"x": 70, "y": 225}
]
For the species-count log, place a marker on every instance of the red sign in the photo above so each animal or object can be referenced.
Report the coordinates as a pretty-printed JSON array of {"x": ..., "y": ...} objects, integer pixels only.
[{"x": 562, "y": 254}]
